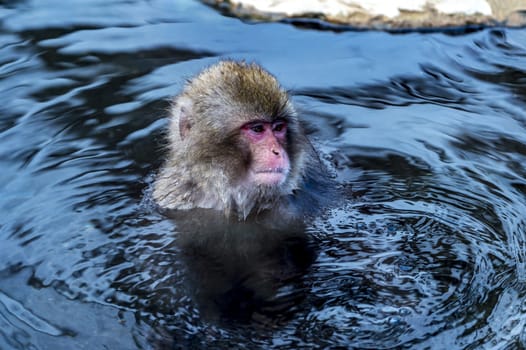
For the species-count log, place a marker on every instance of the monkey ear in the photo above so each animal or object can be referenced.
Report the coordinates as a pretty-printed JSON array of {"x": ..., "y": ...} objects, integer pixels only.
[{"x": 182, "y": 112}]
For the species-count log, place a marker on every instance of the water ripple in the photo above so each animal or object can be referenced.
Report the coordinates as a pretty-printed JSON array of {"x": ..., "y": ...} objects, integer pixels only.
[{"x": 425, "y": 133}]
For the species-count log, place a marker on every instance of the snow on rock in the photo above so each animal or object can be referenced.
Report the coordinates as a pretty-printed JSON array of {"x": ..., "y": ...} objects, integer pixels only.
[
  {"x": 385, "y": 14},
  {"x": 376, "y": 7}
]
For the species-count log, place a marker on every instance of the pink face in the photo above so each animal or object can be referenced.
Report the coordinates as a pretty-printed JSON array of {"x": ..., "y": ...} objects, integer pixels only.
[{"x": 270, "y": 162}]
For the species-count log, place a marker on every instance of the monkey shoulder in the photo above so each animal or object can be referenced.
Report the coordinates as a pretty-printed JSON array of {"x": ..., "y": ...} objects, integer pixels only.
[{"x": 318, "y": 189}]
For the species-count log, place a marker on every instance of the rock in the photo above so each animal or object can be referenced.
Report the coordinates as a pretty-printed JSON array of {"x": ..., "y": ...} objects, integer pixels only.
[{"x": 384, "y": 14}]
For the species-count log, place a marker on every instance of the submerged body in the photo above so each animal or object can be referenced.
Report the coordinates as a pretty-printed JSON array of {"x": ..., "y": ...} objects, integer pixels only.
[{"x": 236, "y": 145}]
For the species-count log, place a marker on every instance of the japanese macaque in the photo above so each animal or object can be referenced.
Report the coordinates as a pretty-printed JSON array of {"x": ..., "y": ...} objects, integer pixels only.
[{"x": 236, "y": 146}]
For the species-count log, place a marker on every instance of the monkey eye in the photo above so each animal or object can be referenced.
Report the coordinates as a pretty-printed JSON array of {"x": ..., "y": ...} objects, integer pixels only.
[
  {"x": 279, "y": 126},
  {"x": 257, "y": 128}
]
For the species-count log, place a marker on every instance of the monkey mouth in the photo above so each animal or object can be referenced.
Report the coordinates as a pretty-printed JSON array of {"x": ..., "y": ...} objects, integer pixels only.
[
  {"x": 270, "y": 176},
  {"x": 271, "y": 171}
]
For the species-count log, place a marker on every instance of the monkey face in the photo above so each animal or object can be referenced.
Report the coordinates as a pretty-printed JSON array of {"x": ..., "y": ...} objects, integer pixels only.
[{"x": 270, "y": 164}]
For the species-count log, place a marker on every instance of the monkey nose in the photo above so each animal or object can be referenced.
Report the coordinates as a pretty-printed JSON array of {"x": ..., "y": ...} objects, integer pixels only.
[{"x": 276, "y": 152}]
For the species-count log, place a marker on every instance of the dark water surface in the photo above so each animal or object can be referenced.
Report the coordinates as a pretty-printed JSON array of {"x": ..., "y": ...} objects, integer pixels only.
[{"x": 428, "y": 131}]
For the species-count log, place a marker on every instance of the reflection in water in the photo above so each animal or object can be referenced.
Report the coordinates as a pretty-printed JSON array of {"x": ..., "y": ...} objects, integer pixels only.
[
  {"x": 426, "y": 251},
  {"x": 243, "y": 270},
  {"x": 212, "y": 273}
]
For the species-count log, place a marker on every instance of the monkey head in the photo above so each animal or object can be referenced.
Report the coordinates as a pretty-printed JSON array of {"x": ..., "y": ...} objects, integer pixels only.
[{"x": 235, "y": 143}]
